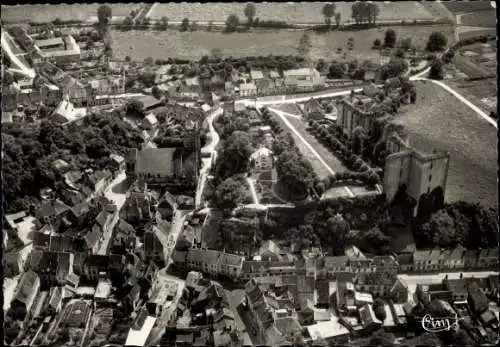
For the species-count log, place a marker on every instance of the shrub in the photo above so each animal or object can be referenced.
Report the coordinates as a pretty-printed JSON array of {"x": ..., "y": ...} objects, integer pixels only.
[{"x": 437, "y": 41}]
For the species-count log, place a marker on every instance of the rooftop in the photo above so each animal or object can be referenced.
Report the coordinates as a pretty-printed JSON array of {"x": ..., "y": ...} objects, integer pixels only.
[{"x": 139, "y": 337}]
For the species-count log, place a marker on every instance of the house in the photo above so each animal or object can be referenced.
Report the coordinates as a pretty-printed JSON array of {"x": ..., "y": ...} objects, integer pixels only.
[
  {"x": 230, "y": 265},
  {"x": 428, "y": 292},
  {"x": 334, "y": 265},
  {"x": 53, "y": 212},
  {"x": 117, "y": 162},
  {"x": 405, "y": 262},
  {"x": 96, "y": 264},
  {"x": 304, "y": 75},
  {"x": 65, "y": 113},
  {"x": 13, "y": 263},
  {"x": 332, "y": 332},
  {"x": 125, "y": 235},
  {"x": 153, "y": 248},
  {"x": 150, "y": 121},
  {"x": 477, "y": 300},
  {"x": 399, "y": 291},
  {"x": 398, "y": 314},
  {"x": 378, "y": 283},
  {"x": 362, "y": 299},
  {"x": 256, "y": 75},
  {"x": 247, "y": 89},
  {"x": 306, "y": 316},
  {"x": 456, "y": 260},
  {"x": 269, "y": 251},
  {"x": 471, "y": 259},
  {"x": 457, "y": 287},
  {"x": 368, "y": 319},
  {"x": 345, "y": 298},
  {"x": 263, "y": 159},
  {"x": 97, "y": 181},
  {"x": 52, "y": 267},
  {"x": 24, "y": 296},
  {"x": 322, "y": 294},
  {"x": 61, "y": 166},
  {"x": 223, "y": 319},
  {"x": 257, "y": 307},
  {"x": 313, "y": 106}
]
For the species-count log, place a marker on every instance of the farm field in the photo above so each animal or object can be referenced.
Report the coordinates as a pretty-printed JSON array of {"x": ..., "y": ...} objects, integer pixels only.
[
  {"x": 457, "y": 7},
  {"x": 467, "y": 32},
  {"x": 300, "y": 12},
  {"x": 47, "y": 13},
  {"x": 439, "y": 121},
  {"x": 478, "y": 59},
  {"x": 482, "y": 93},
  {"x": 327, "y": 156},
  {"x": 480, "y": 19},
  {"x": 193, "y": 45}
]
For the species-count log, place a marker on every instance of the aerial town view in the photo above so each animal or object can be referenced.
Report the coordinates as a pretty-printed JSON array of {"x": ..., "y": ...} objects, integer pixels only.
[{"x": 247, "y": 174}]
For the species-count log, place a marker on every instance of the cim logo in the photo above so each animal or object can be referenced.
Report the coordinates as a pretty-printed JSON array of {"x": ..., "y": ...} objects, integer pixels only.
[{"x": 436, "y": 325}]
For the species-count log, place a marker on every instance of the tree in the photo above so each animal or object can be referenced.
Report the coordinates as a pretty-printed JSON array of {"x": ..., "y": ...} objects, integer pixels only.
[
  {"x": 128, "y": 23},
  {"x": 232, "y": 23},
  {"x": 328, "y": 12},
  {"x": 134, "y": 107},
  {"x": 185, "y": 24},
  {"x": 250, "y": 13},
  {"x": 379, "y": 309},
  {"x": 304, "y": 45},
  {"x": 377, "y": 43},
  {"x": 8, "y": 78},
  {"x": 235, "y": 156},
  {"x": 441, "y": 231},
  {"x": 127, "y": 58},
  {"x": 321, "y": 66},
  {"x": 104, "y": 14},
  {"x": 337, "y": 19},
  {"x": 399, "y": 54},
  {"x": 164, "y": 23},
  {"x": 337, "y": 229},
  {"x": 406, "y": 44},
  {"x": 210, "y": 25},
  {"x": 381, "y": 338},
  {"x": 194, "y": 26},
  {"x": 228, "y": 193},
  {"x": 394, "y": 68},
  {"x": 148, "y": 61},
  {"x": 436, "y": 71},
  {"x": 436, "y": 43},
  {"x": 373, "y": 11},
  {"x": 156, "y": 92},
  {"x": 390, "y": 38}
]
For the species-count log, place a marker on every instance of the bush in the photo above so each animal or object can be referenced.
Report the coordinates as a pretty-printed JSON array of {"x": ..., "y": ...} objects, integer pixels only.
[
  {"x": 390, "y": 38},
  {"x": 436, "y": 71},
  {"x": 377, "y": 44}
]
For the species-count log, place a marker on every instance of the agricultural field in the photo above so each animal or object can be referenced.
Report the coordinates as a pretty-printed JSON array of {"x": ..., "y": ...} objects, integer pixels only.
[
  {"x": 482, "y": 93},
  {"x": 478, "y": 59},
  {"x": 47, "y": 13},
  {"x": 480, "y": 19},
  {"x": 466, "y": 32},
  {"x": 193, "y": 45},
  {"x": 300, "y": 12},
  {"x": 439, "y": 121},
  {"x": 459, "y": 7}
]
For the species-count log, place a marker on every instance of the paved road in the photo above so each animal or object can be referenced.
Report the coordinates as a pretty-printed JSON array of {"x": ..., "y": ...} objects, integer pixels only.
[
  {"x": 29, "y": 72},
  {"x": 118, "y": 194},
  {"x": 178, "y": 220},
  {"x": 210, "y": 148}
]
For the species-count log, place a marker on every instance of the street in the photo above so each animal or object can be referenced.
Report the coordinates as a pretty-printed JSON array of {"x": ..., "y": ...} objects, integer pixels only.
[{"x": 116, "y": 192}]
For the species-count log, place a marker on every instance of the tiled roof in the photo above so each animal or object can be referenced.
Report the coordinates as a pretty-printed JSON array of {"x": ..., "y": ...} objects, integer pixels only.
[
  {"x": 48, "y": 208},
  {"x": 151, "y": 243},
  {"x": 457, "y": 253},
  {"x": 230, "y": 259},
  {"x": 26, "y": 288},
  {"x": 335, "y": 262}
]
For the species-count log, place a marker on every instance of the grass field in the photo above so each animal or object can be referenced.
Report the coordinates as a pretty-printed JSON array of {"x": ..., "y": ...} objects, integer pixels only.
[
  {"x": 300, "y": 12},
  {"x": 478, "y": 59},
  {"x": 47, "y": 13},
  {"x": 438, "y": 120},
  {"x": 193, "y": 45},
  {"x": 465, "y": 33},
  {"x": 480, "y": 19}
]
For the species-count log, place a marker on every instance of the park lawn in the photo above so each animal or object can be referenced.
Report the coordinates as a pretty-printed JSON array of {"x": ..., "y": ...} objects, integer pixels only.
[
  {"x": 48, "y": 12},
  {"x": 440, "y": 121},
  {"x": 298, "y": 12},
  {"x": 193, "y": 45}
]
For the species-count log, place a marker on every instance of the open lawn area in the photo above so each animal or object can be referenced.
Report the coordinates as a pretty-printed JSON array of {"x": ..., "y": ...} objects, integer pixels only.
[
  {"x": 193, "y": 45},
  {"x": 467, "y": 32},
  {"x": 48, "y": 12},
  {"x": 439, "y": 120},
  {"x": 478, "y": 59},
  {"x": 299, "y": 12},
  {"x": 458, "y": 7}
]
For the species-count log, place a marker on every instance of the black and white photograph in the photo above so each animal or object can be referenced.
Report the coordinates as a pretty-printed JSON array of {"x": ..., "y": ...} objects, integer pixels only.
[{"x": 250, "y": 174}]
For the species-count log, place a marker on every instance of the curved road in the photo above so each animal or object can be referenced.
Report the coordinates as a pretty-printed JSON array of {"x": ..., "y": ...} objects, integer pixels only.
[{"x": 28, "y": 72}]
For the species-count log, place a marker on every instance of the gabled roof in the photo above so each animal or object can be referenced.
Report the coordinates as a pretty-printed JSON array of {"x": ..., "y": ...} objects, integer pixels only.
[{"x": 26, "y": 288}]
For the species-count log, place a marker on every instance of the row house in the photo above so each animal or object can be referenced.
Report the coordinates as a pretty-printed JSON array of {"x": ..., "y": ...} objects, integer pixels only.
[
  {"x": 94, "y": 265},
  {"x": 210, "y": 261},
  {"x": 52, "y": 267},
  {"x": 457, "y": 258}
]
